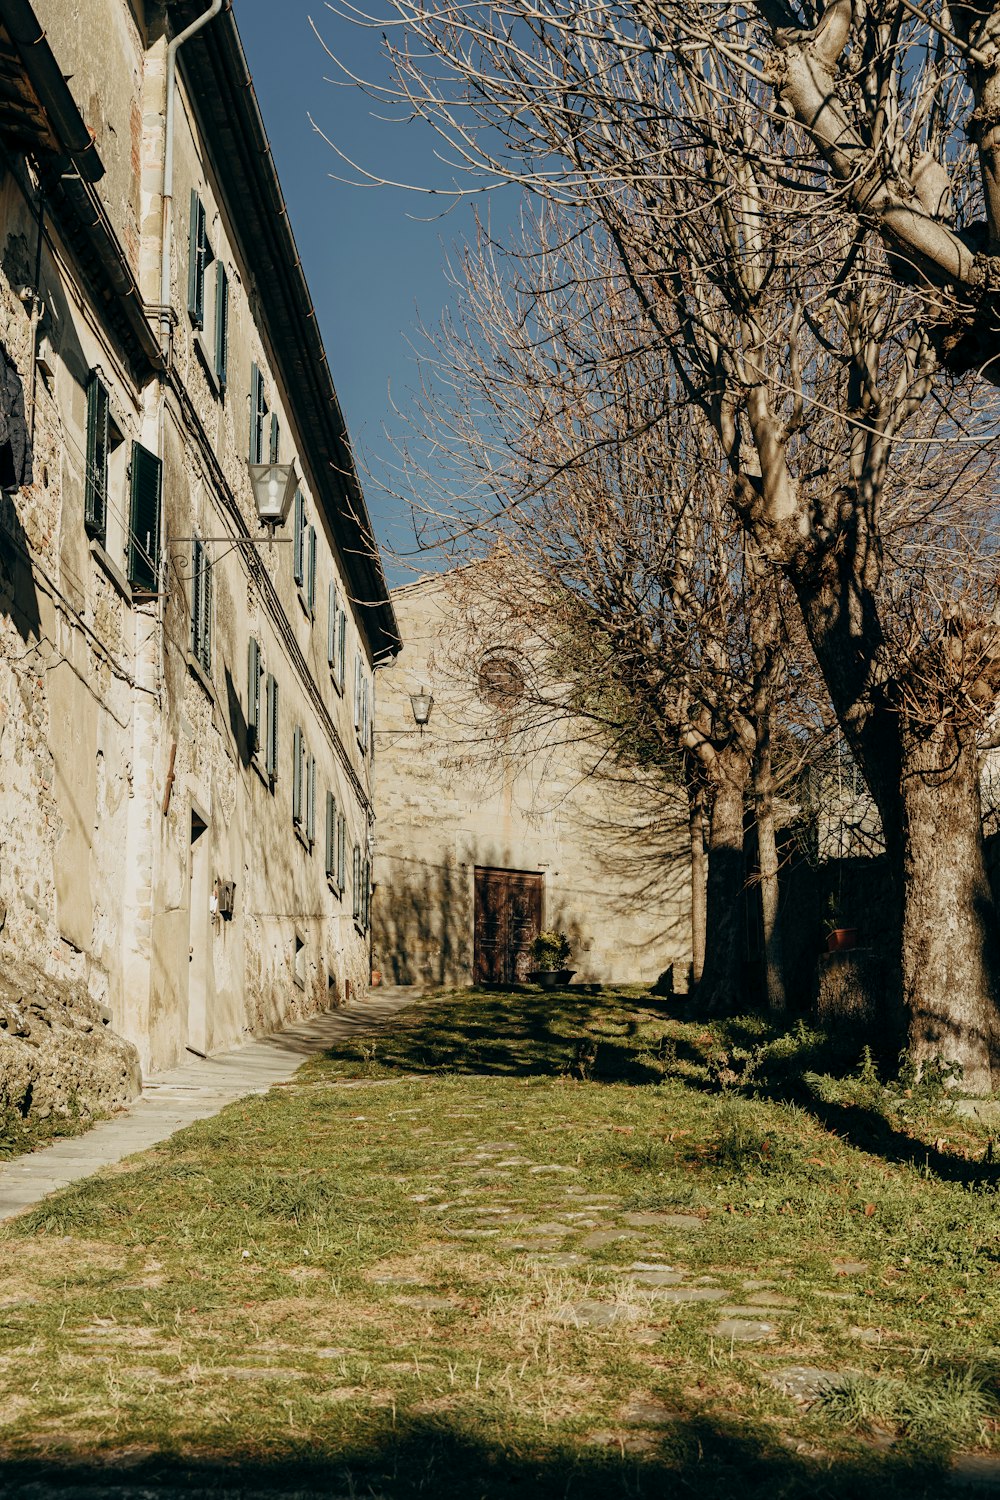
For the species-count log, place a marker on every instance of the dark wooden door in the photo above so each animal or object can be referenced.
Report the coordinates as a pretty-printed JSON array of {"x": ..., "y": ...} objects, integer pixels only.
[{"x": 508, "y": 918}]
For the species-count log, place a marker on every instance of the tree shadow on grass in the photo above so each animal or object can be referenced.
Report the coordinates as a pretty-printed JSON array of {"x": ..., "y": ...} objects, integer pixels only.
[
  {"x": 562, "y": 1033},
  {"x": 697, "y": 1454}
]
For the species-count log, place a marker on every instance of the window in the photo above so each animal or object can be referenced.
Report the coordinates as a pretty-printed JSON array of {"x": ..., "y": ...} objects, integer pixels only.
[
  {"x": 271, "y": 746},
  {"x": 201, "y": 605},
  {"x": 311, "y": 799},
  {"x": 336, "y": 636},
  {"x": 356, "y": 883},
  {"x": 299, "y": 540},
  {"x": 311, "y": 569},
  {"x": 298, "y": 768},
  {"x": 258, "y": 416},
  {"x": 98, "y": 438},
  {"x": 331, "y": 837},
  {"x": 221, "y": 326},
  {"x": 144, "y": 520},
  {"x": 199, "y": 258},
  {"x": 253, "y": 696}
]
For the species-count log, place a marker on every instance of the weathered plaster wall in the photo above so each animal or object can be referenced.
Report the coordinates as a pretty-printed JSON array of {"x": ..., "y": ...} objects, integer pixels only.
[{"x": 460, "y": 796}]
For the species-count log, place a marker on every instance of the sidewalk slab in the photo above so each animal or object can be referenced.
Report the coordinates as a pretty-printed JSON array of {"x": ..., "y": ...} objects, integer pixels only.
[{"x": 196, "y": 1090}]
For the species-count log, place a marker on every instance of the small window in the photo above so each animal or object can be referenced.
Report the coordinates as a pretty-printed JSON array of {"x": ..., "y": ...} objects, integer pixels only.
[
  {"x": 258, "y": 416},
  {"x": 310, "y": 585},
  {"x": 311, "y": 799},
  {"x": 299, "y": 540},
  {"x": 253, "y": 696},
  {"x": 98, "y": 443},
  {"x": 298, "y": 755},
  {"x": 221, "y": 326},
  {"x": 501, "y": 680},
  {"x": 271, "y": 748},
  {"x": 200, "y": 258},
  {"x": 144, "y": 521},
  {"x": 201, "y": 605}
]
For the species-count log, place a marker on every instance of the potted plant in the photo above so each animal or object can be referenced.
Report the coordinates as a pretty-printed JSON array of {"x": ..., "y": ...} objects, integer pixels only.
[
  {"x": 839, "y": 937},
  {"x": 550, "y": 951}
]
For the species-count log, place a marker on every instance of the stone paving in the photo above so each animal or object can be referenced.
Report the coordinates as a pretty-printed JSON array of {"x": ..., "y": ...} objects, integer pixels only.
[{"x": 194, "y": 1091}]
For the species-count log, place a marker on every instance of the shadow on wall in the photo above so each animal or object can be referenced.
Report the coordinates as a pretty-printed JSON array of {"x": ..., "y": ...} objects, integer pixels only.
[
  {"x": 422, "y": 923},
  {"x": 18, "y": 597}
]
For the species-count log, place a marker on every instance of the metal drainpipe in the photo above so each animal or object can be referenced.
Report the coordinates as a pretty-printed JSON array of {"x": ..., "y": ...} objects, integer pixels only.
[{"x": 168, "y": 170}]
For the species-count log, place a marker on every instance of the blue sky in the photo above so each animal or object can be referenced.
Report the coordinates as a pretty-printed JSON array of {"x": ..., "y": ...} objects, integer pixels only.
[{"x": 373, "y": 267}]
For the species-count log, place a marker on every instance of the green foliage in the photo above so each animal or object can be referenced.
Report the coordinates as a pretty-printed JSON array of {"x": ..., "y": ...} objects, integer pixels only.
[{"x": 550, "y": 950}]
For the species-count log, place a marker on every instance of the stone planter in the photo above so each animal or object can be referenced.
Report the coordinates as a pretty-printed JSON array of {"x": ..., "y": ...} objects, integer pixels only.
[{"x": 552, "y": 979}]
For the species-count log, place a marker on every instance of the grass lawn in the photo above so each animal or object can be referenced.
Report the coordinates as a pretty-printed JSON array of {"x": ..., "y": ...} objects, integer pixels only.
[{"x": 529, "y": 1245}]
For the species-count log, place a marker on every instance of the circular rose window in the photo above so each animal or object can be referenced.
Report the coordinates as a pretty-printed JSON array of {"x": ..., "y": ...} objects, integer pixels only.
[{"x": 501, "y": 680}]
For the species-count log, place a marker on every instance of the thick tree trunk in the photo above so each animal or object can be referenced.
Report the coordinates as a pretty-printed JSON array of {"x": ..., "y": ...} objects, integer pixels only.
[
  {"x": 767, "y": 860},
  {"x": 949, "y": 935},
  {"x": 721, "y": 989},
  {"x": 699, "y": 873},
  {"x": 925, "y": 782}
]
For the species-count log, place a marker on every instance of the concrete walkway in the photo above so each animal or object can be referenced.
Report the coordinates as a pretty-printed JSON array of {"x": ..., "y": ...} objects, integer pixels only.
[{"x": 197, "y": 1089}]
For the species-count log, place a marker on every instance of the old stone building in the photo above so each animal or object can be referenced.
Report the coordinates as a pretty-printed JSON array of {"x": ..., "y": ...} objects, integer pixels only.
[
  {"x": 486, "y": 835},
  {"x": 185, "y": 747}
]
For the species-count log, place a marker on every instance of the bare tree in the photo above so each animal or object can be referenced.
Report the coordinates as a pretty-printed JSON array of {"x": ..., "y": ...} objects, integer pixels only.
[{"x": 810, "y": 347}]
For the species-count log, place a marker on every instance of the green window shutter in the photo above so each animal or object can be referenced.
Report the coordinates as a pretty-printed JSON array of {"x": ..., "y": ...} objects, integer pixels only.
[
  {"x": 144, "y": 520},
  {"x": 331, "y": 836},
  {"x": 197, "y": 575},
  {"x": 271, "y": 757},
  {"x": 253, "y": 695},
  {"x": 311, "y": 568},
  {"x": 356, "y": 881},
  {"x": 331, "y": 624},
  {"x": 357, "y": 691},
  {"x": 257, "y": 413},
  {"x": 206, "y": 615},
  {"x": 311, "y": 799},
  {"x": 341, "y": 852},
  {"x": 197, "y": 261},
  {"x": 341, "y": 647},
  {"x": 221, "y": 325},
  {"x": 298, "y": 540},
  {"x": 275, "y": 446},
  {"x": 95, "y": 491},
  {"x": 297, "y": 775}
]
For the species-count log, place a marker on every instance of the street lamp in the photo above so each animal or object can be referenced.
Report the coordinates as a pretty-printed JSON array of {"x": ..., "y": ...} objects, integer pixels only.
[
  {"x": 273, "y": 490},
  {"x": 421, "y": 704}
]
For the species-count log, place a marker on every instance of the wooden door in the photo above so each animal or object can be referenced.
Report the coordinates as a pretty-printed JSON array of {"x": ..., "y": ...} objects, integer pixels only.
[{"x": 508, "y": 918}]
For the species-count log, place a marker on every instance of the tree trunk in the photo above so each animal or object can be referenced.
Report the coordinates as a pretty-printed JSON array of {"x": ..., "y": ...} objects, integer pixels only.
[
  {"x": 767, "y": 860},
  {"x": 721, "y": 989},
  {"x": 699, "y": 872},
  {"x": 949, "y": 937}
]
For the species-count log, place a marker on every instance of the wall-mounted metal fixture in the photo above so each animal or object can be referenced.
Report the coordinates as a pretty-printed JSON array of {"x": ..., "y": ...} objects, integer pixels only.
[{"x": 421, "y": 703}]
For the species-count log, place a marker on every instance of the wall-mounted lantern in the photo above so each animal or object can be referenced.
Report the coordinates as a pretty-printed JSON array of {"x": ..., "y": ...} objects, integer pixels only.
[
  {"x": 421, "y": 704},
  {"x": 273, "y": 491}
]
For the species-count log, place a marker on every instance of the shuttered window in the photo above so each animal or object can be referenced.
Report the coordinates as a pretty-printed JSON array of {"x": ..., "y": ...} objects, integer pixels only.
[
  {"x": 311, "y": 569},
  {"x": 299, "y": 539},
  {"x": 357, "y": 691},
  {"x": 341, "y": 853},
  {"x": 199, "y": 256},
  {"x": 356, "y": 883},
  {"x": 201, "y": 605},
  {"x": 258, "y": 415},
  {"x": 311, "y": 799},
  {"x": 253, "y": 695},
  {"x": 336, "y": 638},
  {"x": 271, "y": 749},
  {"x": 95, "y": 493},
  {"x": 144, "y": 520},
  {"x": 275, "y": 443},
  {"x": 297, "y": 777},
  {"x": 331, "y": 836},
  {"x": 221, "y": 326}
]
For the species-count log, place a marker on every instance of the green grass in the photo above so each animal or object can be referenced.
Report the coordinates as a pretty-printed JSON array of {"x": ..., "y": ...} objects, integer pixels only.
[{"x": 356, "y": 1285}]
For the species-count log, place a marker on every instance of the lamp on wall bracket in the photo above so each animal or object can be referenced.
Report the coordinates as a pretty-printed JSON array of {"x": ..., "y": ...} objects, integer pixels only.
[
  {"x": 273, "y": 491},
  {"x": 421, "y": 703}
]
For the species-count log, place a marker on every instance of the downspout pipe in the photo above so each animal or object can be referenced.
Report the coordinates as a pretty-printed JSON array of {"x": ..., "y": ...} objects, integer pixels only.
[{"x": 168, "y": 168}]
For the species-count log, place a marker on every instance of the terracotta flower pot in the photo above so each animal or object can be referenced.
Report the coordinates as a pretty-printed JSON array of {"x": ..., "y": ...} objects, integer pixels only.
[{"x": 841, "y": 939}]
